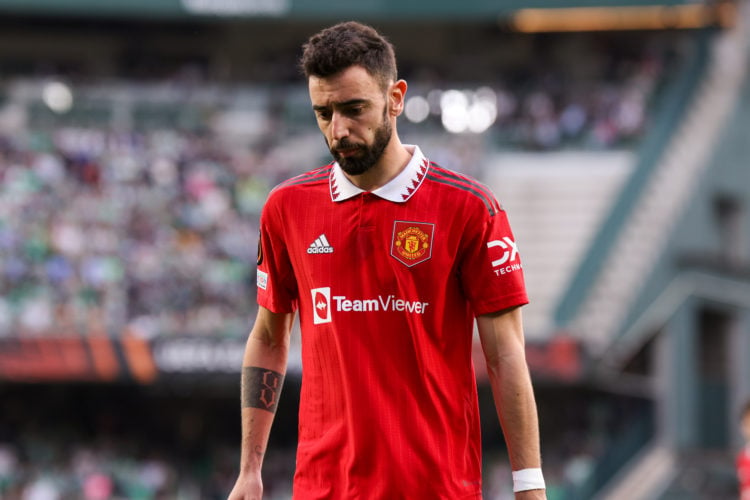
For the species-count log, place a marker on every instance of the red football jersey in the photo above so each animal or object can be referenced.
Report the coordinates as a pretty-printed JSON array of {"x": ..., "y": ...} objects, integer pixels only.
[{"x": 387, "y": 284}]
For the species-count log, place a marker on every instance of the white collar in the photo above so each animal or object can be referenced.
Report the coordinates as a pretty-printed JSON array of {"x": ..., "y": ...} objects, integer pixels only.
[{"x": 399, "y": 189}]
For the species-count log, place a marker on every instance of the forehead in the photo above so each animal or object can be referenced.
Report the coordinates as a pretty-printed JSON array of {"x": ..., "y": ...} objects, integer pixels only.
[{"x": 353, "y": 83}]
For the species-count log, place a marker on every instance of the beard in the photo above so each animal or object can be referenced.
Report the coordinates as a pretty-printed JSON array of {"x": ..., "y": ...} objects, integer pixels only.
[{"x": 366, "y": 156}]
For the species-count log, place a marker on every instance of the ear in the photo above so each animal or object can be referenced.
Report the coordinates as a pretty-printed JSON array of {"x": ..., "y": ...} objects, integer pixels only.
[{"x": 397, "y": 97}]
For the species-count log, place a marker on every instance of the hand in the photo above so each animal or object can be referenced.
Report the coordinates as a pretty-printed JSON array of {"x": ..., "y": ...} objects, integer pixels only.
[
  {"x": 249, "y": 486},
  {"x": 532, "y": 495}
]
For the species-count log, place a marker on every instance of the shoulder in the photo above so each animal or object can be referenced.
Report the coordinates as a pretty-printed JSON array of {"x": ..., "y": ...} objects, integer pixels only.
[
  {"x": 463, "y": 186},
  {"x": 312, "y": 179},
  {"x": 291, "y": 195}
]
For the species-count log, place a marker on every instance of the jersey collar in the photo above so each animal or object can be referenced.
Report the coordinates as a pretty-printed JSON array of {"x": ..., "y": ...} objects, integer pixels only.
[{"x": 399, "y": 189}]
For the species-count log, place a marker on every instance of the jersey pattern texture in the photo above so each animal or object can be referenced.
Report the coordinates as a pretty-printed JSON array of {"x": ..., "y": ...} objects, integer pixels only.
[{"x": 387, "y": 285}]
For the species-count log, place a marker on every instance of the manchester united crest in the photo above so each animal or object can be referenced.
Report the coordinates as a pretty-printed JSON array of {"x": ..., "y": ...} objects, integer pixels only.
[{"x": 412, "y": 242}]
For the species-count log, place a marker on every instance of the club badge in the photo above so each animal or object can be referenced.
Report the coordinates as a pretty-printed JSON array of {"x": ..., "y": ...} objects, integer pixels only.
[{"x": 412, "y": 242}]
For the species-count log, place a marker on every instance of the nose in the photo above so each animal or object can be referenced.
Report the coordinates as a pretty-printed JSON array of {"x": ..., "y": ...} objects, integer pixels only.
[{"x": 339, "y": 127}]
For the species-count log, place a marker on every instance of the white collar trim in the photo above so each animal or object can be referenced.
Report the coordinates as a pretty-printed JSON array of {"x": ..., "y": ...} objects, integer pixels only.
[{"x": 399, "y": 189}]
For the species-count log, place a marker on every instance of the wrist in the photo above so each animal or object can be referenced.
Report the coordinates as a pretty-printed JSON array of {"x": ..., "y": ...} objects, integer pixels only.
[
  {"x": 251, "y": 464},
  {"x": 528, "y": 479}
]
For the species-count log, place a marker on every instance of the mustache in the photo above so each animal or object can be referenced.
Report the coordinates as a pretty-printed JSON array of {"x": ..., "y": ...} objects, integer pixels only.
[{"x": 344, "y": 144}]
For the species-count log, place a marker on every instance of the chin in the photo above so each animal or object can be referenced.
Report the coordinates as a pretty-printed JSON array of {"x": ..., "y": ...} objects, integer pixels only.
[{"x": 354, "y": 170}]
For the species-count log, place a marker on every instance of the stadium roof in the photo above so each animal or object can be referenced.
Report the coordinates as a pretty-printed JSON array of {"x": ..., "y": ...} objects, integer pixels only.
[{"x": 320, "y": 9}]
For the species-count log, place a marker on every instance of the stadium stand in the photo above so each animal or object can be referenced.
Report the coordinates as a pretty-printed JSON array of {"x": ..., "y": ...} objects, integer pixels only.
[{"x": 131, "y": 179}]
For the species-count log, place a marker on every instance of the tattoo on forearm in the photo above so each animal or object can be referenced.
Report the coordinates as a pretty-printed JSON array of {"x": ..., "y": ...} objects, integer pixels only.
[{"x": 261, "y": 388}]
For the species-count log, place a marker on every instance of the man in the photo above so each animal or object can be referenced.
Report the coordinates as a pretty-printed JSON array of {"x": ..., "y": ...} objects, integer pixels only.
[{"x": 388, "y": 258}]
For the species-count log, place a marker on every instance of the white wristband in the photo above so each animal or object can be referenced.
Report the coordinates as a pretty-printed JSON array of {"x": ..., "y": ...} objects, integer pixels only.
[{"x": 528, "y": 479}]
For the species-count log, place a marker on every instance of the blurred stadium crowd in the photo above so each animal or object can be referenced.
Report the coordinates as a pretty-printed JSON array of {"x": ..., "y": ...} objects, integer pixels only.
[
  {"x": 111, "y": 231},
  {"x": 122, "y": 444},
  {"x": 111, "y": 451},
  {"x": 112, "y": 225},
  {"x": 143, "y": 227}
]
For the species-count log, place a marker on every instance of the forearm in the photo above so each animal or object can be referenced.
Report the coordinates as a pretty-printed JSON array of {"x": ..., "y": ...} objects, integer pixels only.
[
  {"x": 264, "y": 367},
  {"x": 516, "y": 410},
  {"x": 503, "y": 345}
]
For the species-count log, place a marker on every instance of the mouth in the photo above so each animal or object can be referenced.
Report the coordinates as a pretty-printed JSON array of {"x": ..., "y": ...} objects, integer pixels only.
[{"x": 346, "y": 152}]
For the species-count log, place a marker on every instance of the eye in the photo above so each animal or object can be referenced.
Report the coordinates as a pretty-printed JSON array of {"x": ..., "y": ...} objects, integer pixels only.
[
  {"x": 355, "y": 110},
  {"x": 323, "y": 114}
]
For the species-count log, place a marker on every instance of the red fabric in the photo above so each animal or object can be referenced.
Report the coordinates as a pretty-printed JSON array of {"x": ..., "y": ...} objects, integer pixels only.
[
  {"x": 743, "y": 473},
  {"x": 389, "y": 403}
]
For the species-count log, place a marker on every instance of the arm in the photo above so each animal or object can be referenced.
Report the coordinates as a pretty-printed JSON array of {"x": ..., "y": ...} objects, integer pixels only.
[
  {"x": 502, "y": 340},
  {"x": 264, "y": 365}
]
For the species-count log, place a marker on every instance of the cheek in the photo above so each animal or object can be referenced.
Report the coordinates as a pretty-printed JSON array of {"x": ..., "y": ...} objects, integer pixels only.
[{"x": 324, "y": 129}]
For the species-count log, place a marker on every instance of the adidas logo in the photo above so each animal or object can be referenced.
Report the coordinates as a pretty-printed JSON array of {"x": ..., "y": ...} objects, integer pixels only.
[{"x": 320, "y": 245}]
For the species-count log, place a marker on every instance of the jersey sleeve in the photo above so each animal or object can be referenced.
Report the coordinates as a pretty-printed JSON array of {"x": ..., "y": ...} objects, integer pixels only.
[
  {"x": 491, "y": 271},
  {"x": 277, "y": 287}
]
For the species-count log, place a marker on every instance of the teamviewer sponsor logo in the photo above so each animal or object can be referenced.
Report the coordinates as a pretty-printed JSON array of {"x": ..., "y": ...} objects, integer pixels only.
[
  {"x": 381, "y": 303},
  {"x": 320, "y": 245},
  {"x": 321, "y": 302}
]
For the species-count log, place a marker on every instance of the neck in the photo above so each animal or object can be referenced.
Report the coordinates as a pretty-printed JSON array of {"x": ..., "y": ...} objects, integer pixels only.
[{"x": 394, "y": 159}]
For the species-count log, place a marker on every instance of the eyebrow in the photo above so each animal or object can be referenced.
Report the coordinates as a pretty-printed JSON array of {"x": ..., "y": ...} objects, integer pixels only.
[{"x": 344, "y": 104}]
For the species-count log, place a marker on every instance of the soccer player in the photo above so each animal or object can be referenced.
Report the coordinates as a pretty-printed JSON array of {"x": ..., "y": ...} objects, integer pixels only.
[{"x": 389, "y": 259}]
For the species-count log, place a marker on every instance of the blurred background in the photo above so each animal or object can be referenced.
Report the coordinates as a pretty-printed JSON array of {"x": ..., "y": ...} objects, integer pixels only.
[{"x": 139, "y": 139}]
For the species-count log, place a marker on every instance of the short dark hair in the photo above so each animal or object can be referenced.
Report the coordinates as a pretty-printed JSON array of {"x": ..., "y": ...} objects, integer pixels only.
[{"x": 347, "y": 44}]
